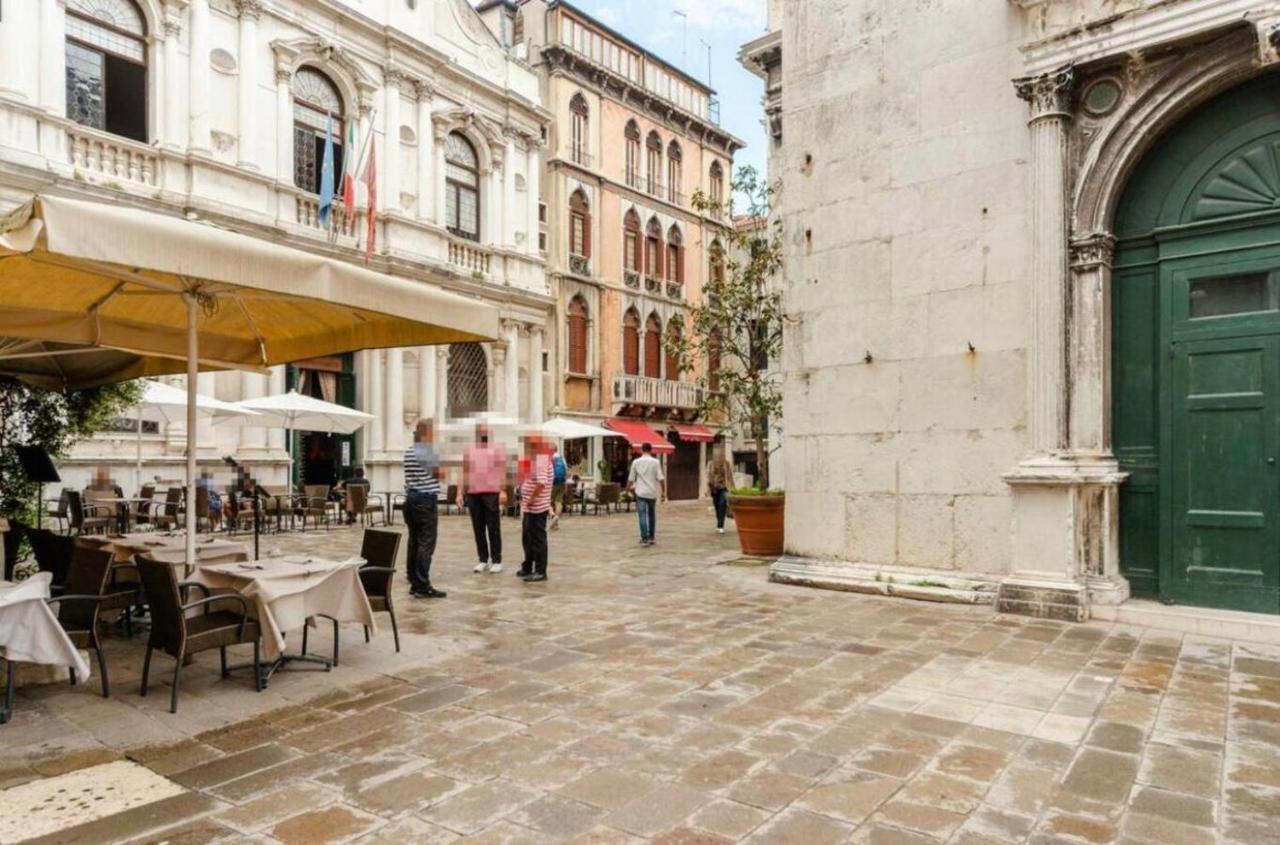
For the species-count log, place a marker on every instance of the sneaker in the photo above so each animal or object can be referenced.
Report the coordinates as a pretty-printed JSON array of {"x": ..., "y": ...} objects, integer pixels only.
[
  {"x": 432, "y": 593},
  {"x": 495, "y": 568},
  {"x": 719, "y": 530},
  {"x": 482, "y": 566},
  {"x": 537, "y": 576},
  {"x": 555, "y": 523},
  {"x": 524, "y": 573}
]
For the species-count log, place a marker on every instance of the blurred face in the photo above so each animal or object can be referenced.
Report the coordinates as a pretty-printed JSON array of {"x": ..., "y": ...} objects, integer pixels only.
[
  {"x": 424, "y": 432},
  {"x": 482, "y": 434}
]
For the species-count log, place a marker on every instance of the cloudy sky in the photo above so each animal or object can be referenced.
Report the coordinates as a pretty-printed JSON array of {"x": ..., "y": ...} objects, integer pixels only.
[{"x": 725, "y": 25}]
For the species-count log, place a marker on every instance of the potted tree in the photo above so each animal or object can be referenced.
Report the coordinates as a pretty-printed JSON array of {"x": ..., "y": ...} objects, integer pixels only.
[{"x": 735, "y": 335}]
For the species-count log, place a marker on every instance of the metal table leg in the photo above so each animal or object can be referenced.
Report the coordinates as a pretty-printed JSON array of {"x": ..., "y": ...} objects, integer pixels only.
[{"x": 7, "y": 709}]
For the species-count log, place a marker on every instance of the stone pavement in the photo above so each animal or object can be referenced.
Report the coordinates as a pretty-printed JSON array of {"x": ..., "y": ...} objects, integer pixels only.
[{"x": 651, "y": 694}]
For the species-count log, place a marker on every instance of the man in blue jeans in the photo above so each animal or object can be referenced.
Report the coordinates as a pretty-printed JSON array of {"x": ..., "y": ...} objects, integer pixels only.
[{"x": 649, "y": 484}]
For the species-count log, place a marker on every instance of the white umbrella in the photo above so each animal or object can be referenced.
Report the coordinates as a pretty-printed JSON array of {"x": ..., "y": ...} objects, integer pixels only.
[
  {"x": 295, "y": 412},
  {"x": 165, "y": 404},
  {"x": 560, "y": 428}
]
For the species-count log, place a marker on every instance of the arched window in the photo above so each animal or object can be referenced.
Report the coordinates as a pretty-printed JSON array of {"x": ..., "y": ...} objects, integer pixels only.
[
  {"x": 317, "y": 109},
  {"x": 653, "y": 249},
  {"x": 675, "y": 256},
  {"x": 631, "y": 343},
  {"x": 107, "y": 66},
  {"x": 633, "y": 154},
  {"x": 577, "y": 331},
  {"x": 675, "y": 161},
  {"x": 653, "y": 347},
  {"x": 578, "y": 113},
  {"x": 675, "y": 331},
  {"x": 632, "y": 257},
  {"x": 717, "y": 189},
  {"x": 579, "y": 225},
  {"x": 462, "y": 187},
  {"x": 468, "y": 384},
  {"x": 716, "y": 254},
  {"x": 654, "y": 144}
]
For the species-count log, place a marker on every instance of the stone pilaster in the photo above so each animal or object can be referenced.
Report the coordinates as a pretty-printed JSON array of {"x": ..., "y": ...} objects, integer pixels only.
[
  {"x": 250, "y": 11},
  {"x": 511, "y": 373},
  {"x": 427, "y": 172},
  {"x": 198, "y": 75},
  {"x": 535, "y": 373}
]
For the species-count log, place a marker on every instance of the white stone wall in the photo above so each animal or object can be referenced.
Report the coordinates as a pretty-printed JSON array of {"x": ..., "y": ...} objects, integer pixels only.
[{"x": 905, "y": 201}]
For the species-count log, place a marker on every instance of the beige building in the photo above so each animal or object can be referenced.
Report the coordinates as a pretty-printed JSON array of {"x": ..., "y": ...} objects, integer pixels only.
[
  {"x": 1031, "y": 262},
  {"x": 633, "y": 138}
]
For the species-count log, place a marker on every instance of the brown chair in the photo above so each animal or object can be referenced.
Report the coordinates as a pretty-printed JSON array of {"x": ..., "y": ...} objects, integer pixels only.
[
  {"x": 52, "y": 552},
  {"x": 170, "y": 513},
  {"x": 608, "y": 495},
  {"x": 58, "y": 508},
  {"x": 360, "y": 502},
  {"x": 142, "y": 509},
  {"x": 85, "y": 518},
  {"x": 178, "y": 635},
  {"x": 451, "y": 499},
  {"x": 314, "y": 503},
  {"x": 79, "y": 606},
  {"x": 379, "y": 550}
]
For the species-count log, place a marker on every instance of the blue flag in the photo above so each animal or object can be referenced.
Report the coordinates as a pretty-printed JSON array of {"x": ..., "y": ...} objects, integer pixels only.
[{"x": 326, "y": 173}]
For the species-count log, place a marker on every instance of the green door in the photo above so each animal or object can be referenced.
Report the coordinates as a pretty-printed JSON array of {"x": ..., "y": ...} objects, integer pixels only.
[{"x": 1224, "y": 494}]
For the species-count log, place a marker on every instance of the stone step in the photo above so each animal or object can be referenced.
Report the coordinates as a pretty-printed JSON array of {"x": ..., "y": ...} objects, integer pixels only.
[{"x": 1202, "y": 621}]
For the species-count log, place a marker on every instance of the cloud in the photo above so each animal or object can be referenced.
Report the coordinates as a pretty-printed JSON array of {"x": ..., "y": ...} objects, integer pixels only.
[
  {"x": 741, "y": 15},
  {"x": 610, "y": 17}
]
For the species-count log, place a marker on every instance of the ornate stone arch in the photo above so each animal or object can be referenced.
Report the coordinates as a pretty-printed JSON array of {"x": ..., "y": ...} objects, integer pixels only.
[
  {"x": 355, "y": 84},
  {"x": 484, "y": 134}
]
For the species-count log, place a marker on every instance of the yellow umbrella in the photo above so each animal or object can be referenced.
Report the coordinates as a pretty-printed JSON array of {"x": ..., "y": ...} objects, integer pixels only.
[{"x": 134, "y": 292}]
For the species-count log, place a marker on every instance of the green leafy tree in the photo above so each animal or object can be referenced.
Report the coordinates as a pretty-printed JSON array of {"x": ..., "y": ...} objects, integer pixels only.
[
  {"x": 55, "y": 420},
  {"x": 736, "y": 329}
]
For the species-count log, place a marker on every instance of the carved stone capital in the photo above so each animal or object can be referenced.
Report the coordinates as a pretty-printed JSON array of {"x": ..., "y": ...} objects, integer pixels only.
[
  {"x": 1049, "y": 94},
  {"x": 172, "y": 28},
  {"x": 1267, "y": 26},
  {"x": 424, "y": 90},
  {"x": 250, "y": 9},
  {"x": 1092, "y": 251},
  {"x": 283, "y": 74}
]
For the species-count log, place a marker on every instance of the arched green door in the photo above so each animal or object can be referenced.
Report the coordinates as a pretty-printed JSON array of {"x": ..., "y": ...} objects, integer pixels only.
[{"x": 1196, "y": 358}]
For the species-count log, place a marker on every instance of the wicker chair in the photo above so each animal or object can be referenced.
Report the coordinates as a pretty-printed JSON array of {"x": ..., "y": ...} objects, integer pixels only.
[
  {"x": 360, "y": 502},
  {"x": 314, "y": 503},
  {"x": 79, "y": 606},
  {"x": 379, "y": 550},
  {"x": 170, "y": 514},
  {"x": 178, "y": 636},
  {"x": 58, "y": 509},
  {"x": 83, "y": 518},
  {"x": 142, "y": 509},
  {"x": 53, "y": 555},
  {"x": 608, "y": 495}
]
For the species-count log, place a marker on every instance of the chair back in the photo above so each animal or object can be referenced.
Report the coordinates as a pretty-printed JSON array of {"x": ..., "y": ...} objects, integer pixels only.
[
  {"x": 53, "y": 553},
  {"x": 75, "y": 509},
  {"x": 452, "y": 494},
  {"x": 86, "y": 576},
  {"x": 315, "y": 491},
  {"x": 142, "y": 508},
  {"x": 609, "y": 494},
  {"x": 357, "y": 498},
  {"x": 168, "y": 625},
  {"x": 60, "y": 511},
  {"x": 379, "y": 548},
  {"x": 172, "y": 501}
]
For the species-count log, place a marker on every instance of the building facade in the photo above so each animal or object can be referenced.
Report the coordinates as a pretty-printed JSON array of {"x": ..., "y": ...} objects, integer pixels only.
[
  {"x": 1031, "y": 260},
  {"x": 633, "y": 138},
  {"x": 218, "y": 110}
]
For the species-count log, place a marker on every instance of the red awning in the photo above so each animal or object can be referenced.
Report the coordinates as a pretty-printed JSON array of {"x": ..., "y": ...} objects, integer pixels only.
[
  {"x": 638, "y": 433},
  {"x": 694, "y": 433}
]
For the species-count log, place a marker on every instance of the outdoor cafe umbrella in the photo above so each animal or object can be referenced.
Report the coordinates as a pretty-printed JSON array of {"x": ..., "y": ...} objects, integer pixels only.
[
  {"x": 174, "y": 295},
  {"x": 561, "y": 428},
  {"x": 164, "y": 404}
]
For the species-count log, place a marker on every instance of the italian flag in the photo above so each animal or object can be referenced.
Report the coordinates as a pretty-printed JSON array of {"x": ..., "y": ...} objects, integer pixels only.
[{"x": 349, "y": 164}]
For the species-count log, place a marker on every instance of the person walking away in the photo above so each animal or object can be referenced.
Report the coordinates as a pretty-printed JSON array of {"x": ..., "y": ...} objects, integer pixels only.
[
  {"x": 719, "y": 480},
  {"x": 648, "y": 483},
  {"x": 535, "y": 493},
  {"x": 559, "y": 478},
  {"x": 422, "y": 495},
  {"x": 484, "y": 479}
]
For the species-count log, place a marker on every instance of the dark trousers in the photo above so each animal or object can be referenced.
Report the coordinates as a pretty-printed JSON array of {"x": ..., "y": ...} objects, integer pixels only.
[
  {"x": 534, "y": 537},
  {"x": 720, "y": 498},
  {"x": 422, "y": 517},
  {"x": 647, "y": 510},
  {"x": 486, "y": 524}
]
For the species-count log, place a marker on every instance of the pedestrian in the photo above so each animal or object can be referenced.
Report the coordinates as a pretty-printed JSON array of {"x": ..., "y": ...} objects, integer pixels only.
[
  {"x": 559, "y": 478},
  {"x": 719, "y": 480},
  {"x": 535, "y": 494},
  {"x": 648, "y": 483},
  {"x": 422, "y": 495},
  {"x": 482, "y": 493}
]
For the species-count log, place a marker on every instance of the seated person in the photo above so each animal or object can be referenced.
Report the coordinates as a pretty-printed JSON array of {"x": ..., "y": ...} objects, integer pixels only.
[{"x": 356, "y": 480}]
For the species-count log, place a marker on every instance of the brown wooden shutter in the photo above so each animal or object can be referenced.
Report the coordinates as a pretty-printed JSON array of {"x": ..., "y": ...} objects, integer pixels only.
[{"x": 653, "y": 351}]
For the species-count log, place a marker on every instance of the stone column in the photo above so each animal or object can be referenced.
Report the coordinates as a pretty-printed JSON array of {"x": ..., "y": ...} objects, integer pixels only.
[
  {"x": 284, "y": 126},
  {"x": 51, "y": 56},
  {"x": 246, "y": 91},
  {"x": 253, "y": 440},
  {"x": 426, "y": 382},
  {"x": 389, "y": 160},
  {"x": 439, "y": 132},
  {"x": 377, "y": 404},
  {"x": 206, "y": 385},
  {"x": 535, "y": 374},
  {"x": 442, "y": 383},
  {"x": 512, "y": 372},
  {"x": 427, "y": 172},
  {"x": 509, "y": 214},
  {"x": 275, "y": 384},
  {"x": 533, "y": 179},
  {"x": 198, "y": 75},
  {"x": 175, "y": 126},
  {"x": 19, "y": 76},
  {"x": 493, "y": 201},
  {"x": 394, "y": 419},
  {"x": 498, "y": 356}
]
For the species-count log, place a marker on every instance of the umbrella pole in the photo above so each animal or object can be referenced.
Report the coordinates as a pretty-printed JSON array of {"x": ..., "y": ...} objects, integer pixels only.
[
  {"x": 193, "y": 367},
  {"x": 138, "y": 468}
]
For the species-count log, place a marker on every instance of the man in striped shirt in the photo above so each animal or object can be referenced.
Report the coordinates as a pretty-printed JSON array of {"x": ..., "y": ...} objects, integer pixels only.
[
  {"x": 422, "y": 492},
  {"x": 535, "y": 498}
]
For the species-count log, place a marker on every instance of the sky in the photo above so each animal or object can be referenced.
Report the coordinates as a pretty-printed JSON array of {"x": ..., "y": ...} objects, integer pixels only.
[{"x": 723, "y": 24}]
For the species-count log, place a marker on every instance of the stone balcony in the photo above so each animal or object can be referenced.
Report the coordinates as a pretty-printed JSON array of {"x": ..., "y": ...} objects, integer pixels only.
[
  {"x": 118, "y": 159},
  {"x": 657, "y": 393}
]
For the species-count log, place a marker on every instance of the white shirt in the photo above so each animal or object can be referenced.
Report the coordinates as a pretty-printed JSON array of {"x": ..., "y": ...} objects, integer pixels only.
[{"x": 646, "y": 475}]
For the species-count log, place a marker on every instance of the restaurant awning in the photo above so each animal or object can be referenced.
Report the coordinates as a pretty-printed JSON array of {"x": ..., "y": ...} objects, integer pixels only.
[
  {"x": 639, "y": 433},
  {"x": 693, "y": 433},
  {"x": 80, "y": 274}
]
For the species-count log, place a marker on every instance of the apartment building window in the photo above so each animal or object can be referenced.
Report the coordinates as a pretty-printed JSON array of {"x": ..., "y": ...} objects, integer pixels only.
[
  {"x": 577, "y": 331},
  {"x": 632, "y": 258},
  {"x": 716, "y": 267},
  {"x": 317, "y": 109},
  {"x": 631, "y": 343},
  {"x": 633, "y": 154},
  {"x": 578, "y": 129},
  {"x": 675, "y": 256},
  {"x": 675, "y": 333},
  {"x": 675, "y": 161},
  {"x": 579, "y": 225},
  {"x": 462, "y": 187},
  {"x": 653, "y": 249},
  {"x": 654, "y": 143},
  {"x": 716, "y": 190},
  {"x": 106, "y": 67},
  {"x": 653, "y": 347}
]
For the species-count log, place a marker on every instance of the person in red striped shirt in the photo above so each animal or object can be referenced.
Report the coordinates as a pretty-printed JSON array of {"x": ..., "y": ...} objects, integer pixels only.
[{"x": 535, "y": 497}]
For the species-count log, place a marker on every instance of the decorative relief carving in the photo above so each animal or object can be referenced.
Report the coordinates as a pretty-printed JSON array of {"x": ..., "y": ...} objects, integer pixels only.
[
  {"x": 1095, "y": 250},
  {"x": 1048, "y": 94}
]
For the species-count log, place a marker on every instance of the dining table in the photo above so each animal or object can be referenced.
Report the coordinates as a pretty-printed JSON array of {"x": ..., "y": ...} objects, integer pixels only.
[
  {"x": 290, "y": 591},
  {"x": 170, "y": 546},
  {"x": 30, "y": 633},
  {"x": 121, "y": 506}
]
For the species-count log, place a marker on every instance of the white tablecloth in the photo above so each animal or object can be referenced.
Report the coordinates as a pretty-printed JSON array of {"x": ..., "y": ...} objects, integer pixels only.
[
  {"x": 284, "y": 593},
  {"x": 171, "y": 547},
  {"x": 29, "y": 630}
]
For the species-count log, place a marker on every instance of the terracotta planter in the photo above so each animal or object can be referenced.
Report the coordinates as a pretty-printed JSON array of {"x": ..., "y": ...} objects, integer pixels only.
[{"x": 760, "y": 522}]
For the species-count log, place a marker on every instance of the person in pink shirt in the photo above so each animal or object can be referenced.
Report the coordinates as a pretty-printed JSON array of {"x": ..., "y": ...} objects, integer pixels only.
[
  {"x": 484, "y": 480},
  {"x": 535, "y": 498}
]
